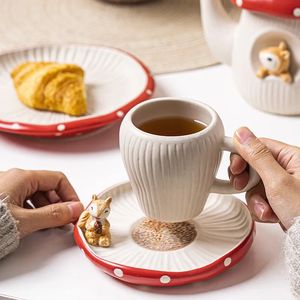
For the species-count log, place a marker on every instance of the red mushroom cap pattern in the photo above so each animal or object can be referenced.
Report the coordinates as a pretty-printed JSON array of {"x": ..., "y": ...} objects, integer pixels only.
[{"x": 281, "y": 8}]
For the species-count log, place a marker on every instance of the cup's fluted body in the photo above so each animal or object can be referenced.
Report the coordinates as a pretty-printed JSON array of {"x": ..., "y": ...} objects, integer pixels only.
[{"x": 171, "y": 176}]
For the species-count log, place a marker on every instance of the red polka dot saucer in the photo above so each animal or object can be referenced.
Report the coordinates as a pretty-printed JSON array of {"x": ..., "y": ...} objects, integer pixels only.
[
  {"x": 115, "y": 82},
  {"x": 225, "y": 233}
]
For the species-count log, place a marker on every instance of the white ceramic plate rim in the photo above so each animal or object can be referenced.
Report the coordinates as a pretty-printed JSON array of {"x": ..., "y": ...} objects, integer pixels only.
[
  {"x": 250, "y": 229},
  {"x": 84, "y": 123}
]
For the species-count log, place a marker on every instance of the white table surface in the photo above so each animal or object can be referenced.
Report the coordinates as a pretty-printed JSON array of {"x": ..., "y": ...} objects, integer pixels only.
[{"x": 48, "y": 264}]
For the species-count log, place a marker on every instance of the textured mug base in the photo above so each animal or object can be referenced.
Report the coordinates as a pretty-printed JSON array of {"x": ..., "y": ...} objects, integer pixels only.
[{"x": 163, "y": 236}]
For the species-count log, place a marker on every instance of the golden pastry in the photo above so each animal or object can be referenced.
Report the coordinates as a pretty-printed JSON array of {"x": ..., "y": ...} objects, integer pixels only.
[{"x": 51, "y": 86}]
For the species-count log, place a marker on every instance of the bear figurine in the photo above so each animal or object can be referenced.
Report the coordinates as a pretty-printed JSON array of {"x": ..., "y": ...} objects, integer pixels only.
[{"x": 275, "y": 61}]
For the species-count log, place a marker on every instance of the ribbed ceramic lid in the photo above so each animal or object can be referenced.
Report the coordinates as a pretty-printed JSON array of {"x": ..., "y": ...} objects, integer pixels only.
[{"x": 281, "y": 8}]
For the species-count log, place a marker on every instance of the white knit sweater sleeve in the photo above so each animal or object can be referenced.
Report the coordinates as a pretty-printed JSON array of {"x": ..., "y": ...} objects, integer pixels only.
[
  {"x": 9, "y": 235},
  {"x": 292, "y": 255}
]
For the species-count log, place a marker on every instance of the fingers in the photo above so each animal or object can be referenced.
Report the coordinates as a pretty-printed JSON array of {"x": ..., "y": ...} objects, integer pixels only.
[
  {"x": 258, "y": 205},
  {"x": 55, "y": 201},
  {"x": 257, "y": 155},
  {"x": 238, "y": 171},
  {"x": 275, "y": 146},
  {"x": 237, "y": 164},
  {"x": 287, "y": 156},
  {"x": 240, "y": 181},
  {"x": 49, "y": 216},
  {"x": 39, "y": 199},
  {"x": 50, "y": 180},
  {"x": 52, "y": 197},
  {"x": 22, "y": 184}
]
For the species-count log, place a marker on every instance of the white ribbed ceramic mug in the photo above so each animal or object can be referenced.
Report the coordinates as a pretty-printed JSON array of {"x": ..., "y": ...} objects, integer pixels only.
[{"x": 172, "y": 176}]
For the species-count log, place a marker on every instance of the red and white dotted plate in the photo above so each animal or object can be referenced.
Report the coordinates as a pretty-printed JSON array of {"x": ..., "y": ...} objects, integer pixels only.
[
  {"x": 115, "y": 82},
  {"x": 225, "y": 233}
]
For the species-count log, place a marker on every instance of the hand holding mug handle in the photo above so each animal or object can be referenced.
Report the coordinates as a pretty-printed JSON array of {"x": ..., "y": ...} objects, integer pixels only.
[{"x": 221, "y": 186}]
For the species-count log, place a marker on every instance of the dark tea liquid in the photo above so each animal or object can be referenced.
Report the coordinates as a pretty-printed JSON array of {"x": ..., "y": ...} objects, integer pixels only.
[{"x": 172, "y": 126}]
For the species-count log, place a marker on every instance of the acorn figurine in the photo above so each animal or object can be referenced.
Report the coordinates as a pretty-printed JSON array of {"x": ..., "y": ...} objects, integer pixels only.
[{"x": 94, "y": 224}]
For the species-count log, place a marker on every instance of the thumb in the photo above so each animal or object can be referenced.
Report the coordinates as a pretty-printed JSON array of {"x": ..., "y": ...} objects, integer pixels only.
[
  {"x": 55, "y": 215},
  {"x": 257, "y": 154}
]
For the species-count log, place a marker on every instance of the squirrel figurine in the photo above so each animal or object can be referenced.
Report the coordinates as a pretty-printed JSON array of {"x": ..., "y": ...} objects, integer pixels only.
[
  {"x": 275, "y": 61},
  {"x": 94, "y": 224}
]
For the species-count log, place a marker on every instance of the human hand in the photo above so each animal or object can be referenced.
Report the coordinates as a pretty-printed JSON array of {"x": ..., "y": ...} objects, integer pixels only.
[
  {"x": 55, "y": 201},
  {"x": 277, "y": 197}
]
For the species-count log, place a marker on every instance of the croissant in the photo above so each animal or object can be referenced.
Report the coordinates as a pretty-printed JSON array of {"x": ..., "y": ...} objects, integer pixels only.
[{"x": 51, "y": 86}]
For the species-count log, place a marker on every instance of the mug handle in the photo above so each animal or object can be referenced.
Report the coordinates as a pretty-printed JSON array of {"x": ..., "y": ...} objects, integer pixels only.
[{"x": 220, "y": 186}]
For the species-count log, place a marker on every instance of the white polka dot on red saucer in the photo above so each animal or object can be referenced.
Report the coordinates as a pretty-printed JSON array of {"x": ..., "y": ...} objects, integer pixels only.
[
  {"x": 296, "y": 12},
  {"x": 165, "y": 279},
  {"x": 239, "y": 3},
  {"x": 61, "y": 127},
  {"x": 118, "y": 272},
  {"x": 227, "y": 261},
  {"x": 120, "y": 113}
]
